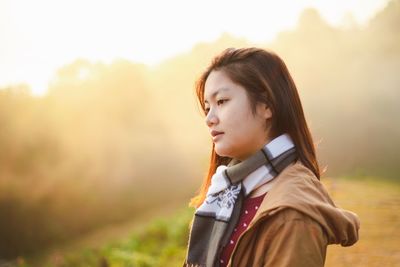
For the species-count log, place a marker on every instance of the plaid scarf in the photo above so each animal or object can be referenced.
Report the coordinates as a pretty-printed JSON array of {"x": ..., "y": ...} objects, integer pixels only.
[{"x": 215, "y": 219}]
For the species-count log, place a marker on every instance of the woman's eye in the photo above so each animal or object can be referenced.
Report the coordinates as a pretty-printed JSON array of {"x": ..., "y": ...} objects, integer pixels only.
[{"x": 221, "y": 101}]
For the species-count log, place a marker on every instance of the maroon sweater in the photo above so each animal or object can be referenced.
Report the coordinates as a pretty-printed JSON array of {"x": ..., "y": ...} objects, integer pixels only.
[{"x": 249, "y": 209}]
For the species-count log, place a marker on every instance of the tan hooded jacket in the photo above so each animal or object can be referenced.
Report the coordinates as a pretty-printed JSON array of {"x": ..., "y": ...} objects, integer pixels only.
[{"x": 294, "y": 224}]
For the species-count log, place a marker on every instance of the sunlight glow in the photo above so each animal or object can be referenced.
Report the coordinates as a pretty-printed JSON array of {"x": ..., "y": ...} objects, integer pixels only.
[{"x": 40, "y": 36}]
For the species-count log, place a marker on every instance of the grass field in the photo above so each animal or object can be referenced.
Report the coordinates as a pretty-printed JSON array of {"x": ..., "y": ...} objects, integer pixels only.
[{"x": 162, "y": 242}]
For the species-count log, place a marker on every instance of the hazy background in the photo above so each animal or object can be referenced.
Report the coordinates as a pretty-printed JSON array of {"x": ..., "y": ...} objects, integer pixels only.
[{"x": 108, "y": 140}]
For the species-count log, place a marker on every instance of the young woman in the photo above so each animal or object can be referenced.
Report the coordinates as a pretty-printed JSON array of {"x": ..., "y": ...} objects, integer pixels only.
[{"x": 262, "y": 203}]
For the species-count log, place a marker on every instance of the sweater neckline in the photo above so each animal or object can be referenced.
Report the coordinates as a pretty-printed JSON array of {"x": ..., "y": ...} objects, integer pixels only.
[{"x": 255, "y": 199}]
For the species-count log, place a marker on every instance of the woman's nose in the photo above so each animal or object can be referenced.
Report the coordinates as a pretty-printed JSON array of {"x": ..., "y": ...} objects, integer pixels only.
[{"x": 211, "y": 118}]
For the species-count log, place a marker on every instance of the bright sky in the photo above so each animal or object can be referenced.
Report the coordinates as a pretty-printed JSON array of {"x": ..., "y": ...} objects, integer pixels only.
[{"x": 37, "y": 37}]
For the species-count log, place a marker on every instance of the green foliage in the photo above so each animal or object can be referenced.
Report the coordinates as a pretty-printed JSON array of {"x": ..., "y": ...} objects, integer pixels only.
[{"x": 162, "y": 243}]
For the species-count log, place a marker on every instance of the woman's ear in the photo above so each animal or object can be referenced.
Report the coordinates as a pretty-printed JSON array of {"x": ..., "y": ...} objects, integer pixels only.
[
  {"x": 265, "y": 111},
  {"x": 268, "y": 113}
]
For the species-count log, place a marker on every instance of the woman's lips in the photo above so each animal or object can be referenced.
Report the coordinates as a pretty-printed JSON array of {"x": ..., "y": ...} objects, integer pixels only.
[{"x": 216, "y": 135}]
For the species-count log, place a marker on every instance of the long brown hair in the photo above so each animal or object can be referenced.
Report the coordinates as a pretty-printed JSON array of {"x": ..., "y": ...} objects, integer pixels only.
[{"x": 266, "y": 79}]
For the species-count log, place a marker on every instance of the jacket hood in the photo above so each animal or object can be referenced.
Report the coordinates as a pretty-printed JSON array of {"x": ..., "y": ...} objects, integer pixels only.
[{"x": 298, "y": 188}]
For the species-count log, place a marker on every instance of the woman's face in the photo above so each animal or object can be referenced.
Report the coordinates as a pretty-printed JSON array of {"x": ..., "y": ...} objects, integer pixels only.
[{"x": 229, "y": 112}]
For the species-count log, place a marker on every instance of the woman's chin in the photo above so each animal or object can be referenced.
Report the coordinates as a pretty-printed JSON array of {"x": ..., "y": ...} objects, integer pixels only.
[{"x": 223, "y": 151}]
